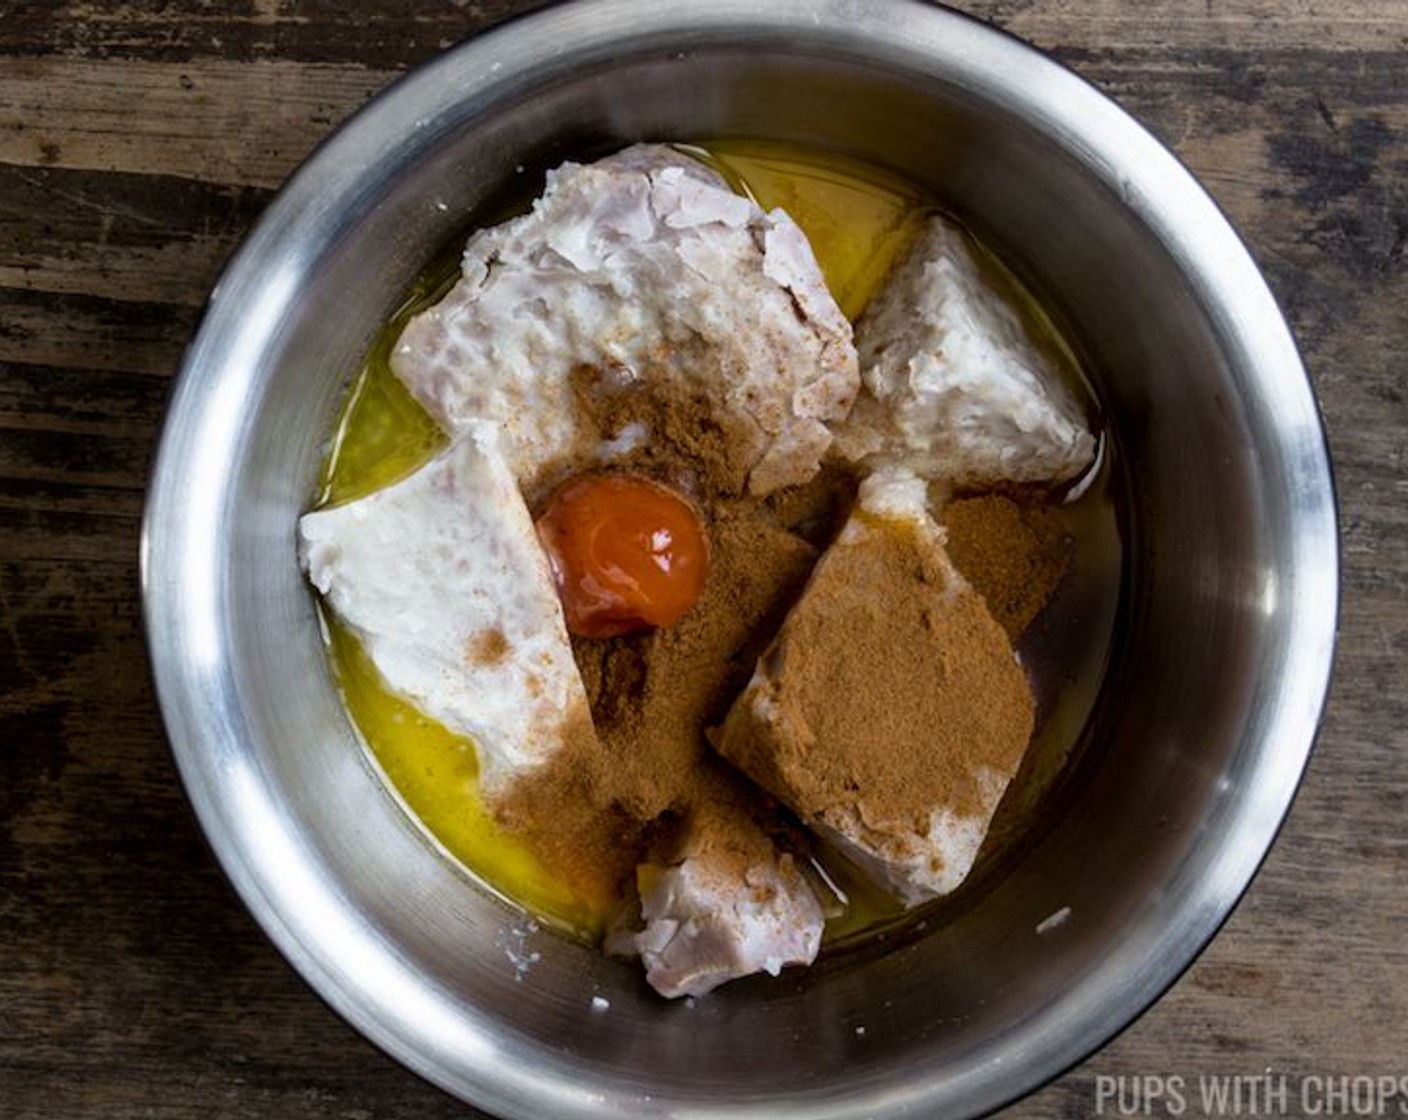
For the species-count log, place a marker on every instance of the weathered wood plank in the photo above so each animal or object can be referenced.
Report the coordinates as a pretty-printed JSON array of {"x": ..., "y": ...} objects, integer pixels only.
[
  {"x": 318, "y": 30},
  {"x": 78, "y": 400},
  {"x": 1248, "y": 28},
  {"x": 233, "y": 123},
  {"x": 140, "y": 140},
  {"x": 86, "y": 332},
  {"x": 149, "y": 238},
  {"x": 390, "y": 32}
]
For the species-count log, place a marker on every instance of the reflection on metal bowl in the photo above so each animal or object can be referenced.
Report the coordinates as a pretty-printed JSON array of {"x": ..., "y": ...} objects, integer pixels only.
[{"x": 1206, "y": 714}]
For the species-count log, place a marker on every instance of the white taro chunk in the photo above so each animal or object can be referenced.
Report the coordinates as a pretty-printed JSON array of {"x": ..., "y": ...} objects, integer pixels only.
[
  {"x": 442, "y": 578},
  {"x": 648, "y": 270},
  {"x": 703, "y": 927},
  {"x": 955, "y": 391},
  {"x": 729, "y": 906},
  {"x": 920, "y": 839}
]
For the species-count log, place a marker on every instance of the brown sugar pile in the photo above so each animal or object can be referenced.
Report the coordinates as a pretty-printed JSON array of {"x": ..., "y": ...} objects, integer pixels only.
[{"x": 889, "y": 695}]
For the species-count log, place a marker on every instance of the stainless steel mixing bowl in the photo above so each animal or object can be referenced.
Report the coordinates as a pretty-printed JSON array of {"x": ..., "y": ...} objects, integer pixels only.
[{"x": 1207, "y": 712}]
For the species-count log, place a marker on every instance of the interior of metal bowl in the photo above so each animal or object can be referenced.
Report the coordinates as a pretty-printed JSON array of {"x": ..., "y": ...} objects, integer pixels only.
[{"x": 1210, "y": 702}]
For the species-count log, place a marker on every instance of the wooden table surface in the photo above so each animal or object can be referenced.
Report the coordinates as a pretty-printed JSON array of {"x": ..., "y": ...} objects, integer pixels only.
[{"x": 140, "y": 140}]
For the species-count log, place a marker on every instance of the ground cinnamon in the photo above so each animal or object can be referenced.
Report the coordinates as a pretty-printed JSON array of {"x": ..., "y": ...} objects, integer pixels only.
[
  {"x": 688, "y": 443},
  {"x": 667, "y": 686},
  {"x": 888, "y": 692},
  {"x": 1012, "y": 549}
]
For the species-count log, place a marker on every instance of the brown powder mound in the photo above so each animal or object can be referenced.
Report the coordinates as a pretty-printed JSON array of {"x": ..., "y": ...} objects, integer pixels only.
[
  {"x": 604, "y": 799},
  {"x": 727, "y": 826},
  {"x": 558, "y": 812},
  {"x": 692, "y": 445},
  {"x": 888, "y": 693},
  {"x": 1015, "y": 553}
]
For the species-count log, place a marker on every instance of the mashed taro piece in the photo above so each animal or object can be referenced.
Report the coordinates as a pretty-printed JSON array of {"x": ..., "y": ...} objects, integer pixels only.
[
  {"x": 442, "y": 579},
  {"x": 890, "y": 712},
  {"x": 648, "y": 271},
  {"x": 728, "y": 904},
  {"x": 954, "y": 390}
]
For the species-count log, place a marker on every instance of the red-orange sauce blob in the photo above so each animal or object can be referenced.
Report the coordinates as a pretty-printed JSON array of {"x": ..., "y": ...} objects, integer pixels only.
[{"x": 627, "y": 553}]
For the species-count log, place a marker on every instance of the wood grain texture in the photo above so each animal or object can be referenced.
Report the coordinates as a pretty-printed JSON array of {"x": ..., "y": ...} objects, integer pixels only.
[{"x": 140, "y": 140}]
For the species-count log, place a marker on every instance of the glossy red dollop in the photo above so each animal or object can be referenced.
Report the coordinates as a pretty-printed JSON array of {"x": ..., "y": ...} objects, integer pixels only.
[{"x": 628, "y": 553}]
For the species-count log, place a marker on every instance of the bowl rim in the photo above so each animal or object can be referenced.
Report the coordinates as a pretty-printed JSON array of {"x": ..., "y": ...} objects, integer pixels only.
[{"x": 177, "y": 538}]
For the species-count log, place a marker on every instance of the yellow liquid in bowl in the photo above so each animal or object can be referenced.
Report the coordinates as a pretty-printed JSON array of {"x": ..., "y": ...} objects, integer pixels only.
[{"x": 857, "y": 220}]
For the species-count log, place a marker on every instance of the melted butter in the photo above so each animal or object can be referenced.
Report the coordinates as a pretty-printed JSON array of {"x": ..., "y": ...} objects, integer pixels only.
[
  {"x": 437, "y": 775},
  {"x": 383, "y": 433},
  {"x": 857, "y": 220}
]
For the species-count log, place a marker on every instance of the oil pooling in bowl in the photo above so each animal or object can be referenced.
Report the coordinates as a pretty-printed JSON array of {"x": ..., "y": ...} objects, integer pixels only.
[{"x": 858, "y": 220}]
